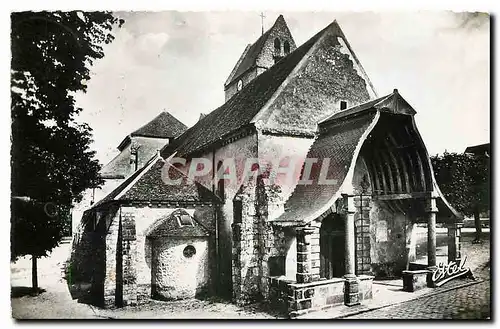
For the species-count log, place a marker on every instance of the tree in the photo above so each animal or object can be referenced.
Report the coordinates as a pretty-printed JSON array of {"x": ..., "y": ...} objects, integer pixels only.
[
  {"x": 465, "y": 182},
  {"x": 51, "y": 161}
]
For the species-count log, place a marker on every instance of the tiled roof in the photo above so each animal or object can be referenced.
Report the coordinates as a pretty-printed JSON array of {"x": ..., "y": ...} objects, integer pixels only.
[
  {"x": 251, "y": 53},
  {"x": 241, "y": 108},
  {"x": 250, "y": 58},
  {"x": 165, "y": 125},
  {"x": 118, "y": 167},
  {"x": 152, "y": 187},
  {"x": 170, "y": 227},
  {"x": 146, "y": 184},
  {"x": 111, "y": 196},
  {"x": 338, "y": 145},
  {"x": 392, "y": 103},
  {"x": 339, "y": 136}
]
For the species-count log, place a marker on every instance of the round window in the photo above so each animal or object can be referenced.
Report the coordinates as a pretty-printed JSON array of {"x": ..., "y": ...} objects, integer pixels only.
[{"x": 189, "y": 251}]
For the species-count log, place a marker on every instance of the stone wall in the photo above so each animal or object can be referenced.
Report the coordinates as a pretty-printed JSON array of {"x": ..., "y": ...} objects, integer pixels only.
[
  {"x": 280, "y": 31},
  {"x": 111, "y": 283},
  {"x": 259, "y": 248},
  {"x": 265, "y": 59},
  {"x": 176, "y": 276},
  {"x": 273, "y": 148},
  {"x": 390, "y": 232},
  {"x": 246, "y": 248},
  {"x": 296, "y": 299},
  {"x": 239, "y": 150},
  {"x": 87, "y": 263},
  {"x": 329, "y": 76},
  {"x": 245, "y": 78},
  {"x": 128, "y": 254},
  {"x": 147, "y": 148}
]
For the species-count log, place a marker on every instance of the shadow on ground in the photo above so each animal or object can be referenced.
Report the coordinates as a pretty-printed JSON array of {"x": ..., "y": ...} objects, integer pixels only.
[{"x": 18, "y": 291}]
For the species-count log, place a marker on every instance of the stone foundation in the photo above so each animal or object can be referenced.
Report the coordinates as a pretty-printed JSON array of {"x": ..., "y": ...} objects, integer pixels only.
[{"x": 296, "y": 299}]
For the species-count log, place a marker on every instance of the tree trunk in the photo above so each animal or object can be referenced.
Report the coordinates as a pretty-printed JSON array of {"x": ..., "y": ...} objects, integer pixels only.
[
  {"x": 34, "y": 273},
  {"x": 477, "y": 223}
]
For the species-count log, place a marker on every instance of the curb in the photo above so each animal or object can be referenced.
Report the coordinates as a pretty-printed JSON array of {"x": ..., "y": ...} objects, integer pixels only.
[{"x": 410, "y": 299}]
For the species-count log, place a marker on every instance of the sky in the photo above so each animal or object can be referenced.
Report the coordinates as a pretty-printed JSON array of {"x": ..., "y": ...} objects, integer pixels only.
[{"x": 178, "y": 61}]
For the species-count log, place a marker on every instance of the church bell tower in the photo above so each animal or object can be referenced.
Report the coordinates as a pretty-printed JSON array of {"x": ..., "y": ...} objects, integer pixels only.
[{"x": 273, "y": 45}]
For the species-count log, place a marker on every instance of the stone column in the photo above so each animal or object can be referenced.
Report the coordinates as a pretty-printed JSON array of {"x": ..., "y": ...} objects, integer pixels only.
[
  {"x": 110, "y": 277},
  {"x": 431, "y": 233},
  {"x": 129, "y": 258},
  {"x": 351, "y": 291},
  {"x": 304, "y": 254},
  {"x": 431, "y": 239},
  {"x": 454, "y": 242}
]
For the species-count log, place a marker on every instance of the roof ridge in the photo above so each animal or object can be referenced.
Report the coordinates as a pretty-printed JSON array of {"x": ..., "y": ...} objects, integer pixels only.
[
  {"x": 314, "y": 40},
  {"x": 358, "y": 62},
  {"x": 235, "y": 68},
  {"x": 241, "y": 109},
  {"x": 186, "y": 177},
  {"x": 251, "y": 50}
]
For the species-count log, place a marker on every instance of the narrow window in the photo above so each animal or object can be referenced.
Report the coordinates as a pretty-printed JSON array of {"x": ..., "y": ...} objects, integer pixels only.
[
  {"x": 220, "y": 184},
  {"x": 237, "y": 211},
  {"x": 277, "y": 46},
  {"x": 286, "y": 47}
]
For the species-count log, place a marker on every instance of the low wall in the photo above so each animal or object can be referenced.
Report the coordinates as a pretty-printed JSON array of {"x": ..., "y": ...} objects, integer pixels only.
[{"x": 296, "y": 299}]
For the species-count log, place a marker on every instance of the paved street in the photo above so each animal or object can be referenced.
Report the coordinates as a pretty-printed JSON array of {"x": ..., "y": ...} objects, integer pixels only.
[{"x": 471, "y": 302}]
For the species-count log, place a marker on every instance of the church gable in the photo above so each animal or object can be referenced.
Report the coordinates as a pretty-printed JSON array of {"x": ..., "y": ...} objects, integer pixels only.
[
  {"x": 328, "y": 74},
  {"x": 269, "y": 48},
  {"x": 289, "y": 98}
]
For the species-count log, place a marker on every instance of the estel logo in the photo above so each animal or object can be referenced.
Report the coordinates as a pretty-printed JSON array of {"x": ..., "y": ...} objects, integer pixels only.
[{"x": 450, "y": 271}]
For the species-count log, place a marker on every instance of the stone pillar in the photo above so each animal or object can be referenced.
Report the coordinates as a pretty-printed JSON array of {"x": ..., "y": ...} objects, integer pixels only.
[
  {"x": 110, "y": 277},
  {"x": 245, "y": 248},
  {"x": 431, "y": 240},
  {"x": 129, "y": 259},
  {"x": 362, "y": 224},
  {"x": 454, "y": 242},
  {"x": 304, "y": 254},
  {"x": 431, "y": 233},
  {"x": 315, "y": 253},
  {"x": 351, "y": 291}
]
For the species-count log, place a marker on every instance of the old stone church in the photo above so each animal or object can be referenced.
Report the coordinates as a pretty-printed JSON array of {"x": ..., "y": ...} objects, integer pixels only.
[{"x": 303, "y": 247}]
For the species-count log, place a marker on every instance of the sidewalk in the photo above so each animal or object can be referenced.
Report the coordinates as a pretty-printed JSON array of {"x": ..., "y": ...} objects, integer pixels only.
[
  {"x": 56, "y": 302},
  {"x": 389, "y": 293},
  {"x": 385, "y": 294}
]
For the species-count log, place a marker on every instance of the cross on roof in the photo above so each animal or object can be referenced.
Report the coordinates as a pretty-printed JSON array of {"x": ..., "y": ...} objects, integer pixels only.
[{"x": 262, "y": 19}]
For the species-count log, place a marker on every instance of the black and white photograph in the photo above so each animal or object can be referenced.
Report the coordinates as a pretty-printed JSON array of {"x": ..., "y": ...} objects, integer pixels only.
[{"x": 250, "y": 164}]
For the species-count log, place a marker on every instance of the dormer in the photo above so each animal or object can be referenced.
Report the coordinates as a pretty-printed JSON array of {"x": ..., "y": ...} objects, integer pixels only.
[{"x": 270, "y": 48}]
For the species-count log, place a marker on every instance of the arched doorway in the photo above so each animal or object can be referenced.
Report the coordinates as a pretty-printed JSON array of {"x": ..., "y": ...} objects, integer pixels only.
[{"x": 332, "y": 247}]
